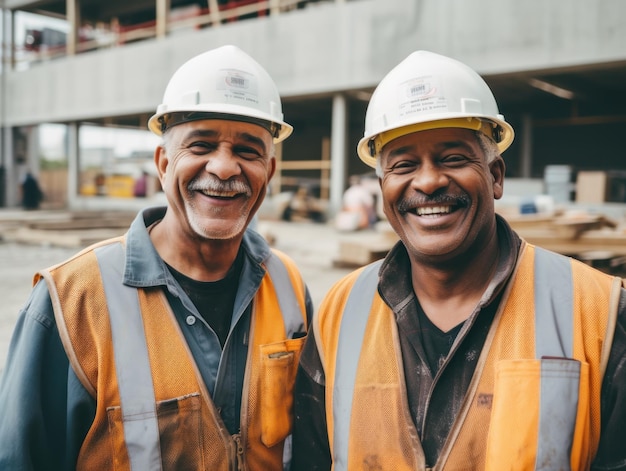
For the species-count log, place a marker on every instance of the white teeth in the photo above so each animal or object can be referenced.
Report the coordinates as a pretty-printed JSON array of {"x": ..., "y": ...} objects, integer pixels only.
[
  {"x": 433, "y": 210},
  {"x": 221, "y": 194}
]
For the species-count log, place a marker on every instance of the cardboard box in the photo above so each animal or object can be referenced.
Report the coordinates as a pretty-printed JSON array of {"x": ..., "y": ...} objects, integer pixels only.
[{"x": 591, "y": 187}]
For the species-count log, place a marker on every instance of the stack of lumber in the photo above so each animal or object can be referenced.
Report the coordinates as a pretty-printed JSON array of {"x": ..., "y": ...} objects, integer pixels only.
[
  {"x": 73, "y": 229},
  {"x": 593, "y": 238},
  {"x": 359, "y": 248}
]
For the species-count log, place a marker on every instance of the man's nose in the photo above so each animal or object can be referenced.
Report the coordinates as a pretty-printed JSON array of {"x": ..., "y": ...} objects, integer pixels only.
[
  {"x": 223, "y": 163},
  {"x": 429, "y": 178}
]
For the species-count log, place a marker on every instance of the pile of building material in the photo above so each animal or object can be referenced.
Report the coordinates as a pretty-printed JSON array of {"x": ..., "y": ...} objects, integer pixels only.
[
  {"x": 74, "y": 229},
  {"x": 361, "y": 247},
  {"x": 596, "y": 239}
]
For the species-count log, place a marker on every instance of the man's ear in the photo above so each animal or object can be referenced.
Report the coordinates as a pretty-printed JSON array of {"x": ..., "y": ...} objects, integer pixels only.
[
  {"x": 497, "y": 169},
  {"x": 161, "y": 161},
  {"x": 272, "y": 168}
]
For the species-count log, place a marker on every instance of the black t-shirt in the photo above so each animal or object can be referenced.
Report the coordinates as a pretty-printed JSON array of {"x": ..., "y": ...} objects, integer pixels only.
[
  {"x": 214, "y": 300},
  {"x": 436, "y": 343}
]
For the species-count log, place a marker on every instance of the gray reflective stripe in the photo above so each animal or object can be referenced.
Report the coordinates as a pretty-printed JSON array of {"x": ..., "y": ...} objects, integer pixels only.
[
  {"x": 293, "y": 317},
  {"x": 560, "y": 376},
  {"x": 355, "y": 315},
  {"x": 132, "y": 365},
  {"x": 554, "y": 301},
  {"x": 557, "y": 413}
]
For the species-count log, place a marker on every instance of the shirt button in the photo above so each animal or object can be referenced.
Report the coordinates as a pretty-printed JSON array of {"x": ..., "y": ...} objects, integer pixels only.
[{"x": 191, "y": 320}]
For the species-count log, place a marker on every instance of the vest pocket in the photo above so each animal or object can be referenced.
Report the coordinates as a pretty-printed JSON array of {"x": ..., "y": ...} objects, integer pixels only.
[
  {"x": 279, "y": 363},
  {"x": 177, "y": 417},
  {"x": 539, "y": 414}
]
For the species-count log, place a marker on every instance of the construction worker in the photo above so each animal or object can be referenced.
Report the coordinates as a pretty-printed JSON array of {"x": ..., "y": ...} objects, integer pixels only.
[
  {"x": 175, "y": 346},
  {"x": 480, "y": 351},
  {"x": 359, "y": 201}
]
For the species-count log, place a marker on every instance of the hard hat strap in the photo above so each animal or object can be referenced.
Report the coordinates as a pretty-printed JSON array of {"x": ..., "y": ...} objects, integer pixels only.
[
  {"x": 172, "y": 119},
  {"x": 488, "y": 128}
]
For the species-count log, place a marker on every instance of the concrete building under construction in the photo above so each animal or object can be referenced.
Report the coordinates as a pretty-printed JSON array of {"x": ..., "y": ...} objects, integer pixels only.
[{"x": 557, "y": 69}]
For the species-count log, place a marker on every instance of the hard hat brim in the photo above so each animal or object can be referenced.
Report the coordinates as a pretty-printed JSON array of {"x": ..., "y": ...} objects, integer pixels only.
[
  {"x": 450, "y": 120},
  {"x": 238, "y": 113}
]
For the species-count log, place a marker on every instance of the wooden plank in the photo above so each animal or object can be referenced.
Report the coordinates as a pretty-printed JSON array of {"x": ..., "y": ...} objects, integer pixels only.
[
  {"x": 79, "y": 224},
  {"x": 614, "y": 241},
  {"x": 355, "y": 253},
  {"x": 68, "y": 239}
]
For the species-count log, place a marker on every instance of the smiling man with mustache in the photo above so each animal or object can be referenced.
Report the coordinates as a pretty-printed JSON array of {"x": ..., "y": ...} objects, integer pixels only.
[
  {"x": 174, "y": 347},
  {"x": 466, "y": 348}
]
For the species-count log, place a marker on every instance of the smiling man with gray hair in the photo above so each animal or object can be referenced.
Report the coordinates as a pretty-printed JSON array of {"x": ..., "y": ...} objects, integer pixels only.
[{"x": 174, "y": 346}]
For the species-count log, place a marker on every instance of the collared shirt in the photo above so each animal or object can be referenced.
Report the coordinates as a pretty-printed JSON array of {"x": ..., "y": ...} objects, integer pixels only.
[
  {"x": 45, "y": 412},
  {"x": 436, "y": 397}
]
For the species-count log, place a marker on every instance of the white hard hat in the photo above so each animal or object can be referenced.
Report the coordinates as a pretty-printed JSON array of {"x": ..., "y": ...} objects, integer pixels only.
[
  {"x": 223, "y": 83},
  {"x": 430, "y": 91}
]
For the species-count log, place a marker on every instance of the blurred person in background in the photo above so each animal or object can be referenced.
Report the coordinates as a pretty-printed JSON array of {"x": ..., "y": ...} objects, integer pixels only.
[
  {"x": 32, "y": 194},
  {"x": 358, "y": 209}
]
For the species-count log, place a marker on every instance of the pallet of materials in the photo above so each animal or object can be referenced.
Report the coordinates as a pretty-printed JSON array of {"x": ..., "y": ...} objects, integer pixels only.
[
  {"x": 592, "y": 238},
  {"x": 361, "y": 247}
]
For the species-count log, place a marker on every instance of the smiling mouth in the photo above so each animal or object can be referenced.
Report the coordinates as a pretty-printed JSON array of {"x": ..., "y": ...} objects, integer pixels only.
[
  {"x": 433, "y": 211},
  {"x": 220, "y": 194}
]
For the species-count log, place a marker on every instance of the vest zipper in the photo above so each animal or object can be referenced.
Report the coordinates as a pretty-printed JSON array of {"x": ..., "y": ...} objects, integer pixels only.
[
  {"x": 238, "y": 451},
  {"x": 241, "y": 438}
]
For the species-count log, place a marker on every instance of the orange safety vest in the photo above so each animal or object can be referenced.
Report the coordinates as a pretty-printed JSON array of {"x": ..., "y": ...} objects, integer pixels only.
[
  {"x": 153, "y": 410},
  {"x": 533, "y": 402}
]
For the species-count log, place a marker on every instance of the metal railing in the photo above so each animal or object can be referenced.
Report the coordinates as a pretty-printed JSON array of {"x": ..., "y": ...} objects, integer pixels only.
[{"x": 114, "y": 34}]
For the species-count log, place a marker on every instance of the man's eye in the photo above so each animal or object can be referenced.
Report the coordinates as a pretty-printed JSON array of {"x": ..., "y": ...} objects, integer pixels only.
[
  {"x": 403, "y": 166},
  {"x": 201, "y": 147},
  {"x": 454, "y": 159},
  {"x": 247, "y": 152}
]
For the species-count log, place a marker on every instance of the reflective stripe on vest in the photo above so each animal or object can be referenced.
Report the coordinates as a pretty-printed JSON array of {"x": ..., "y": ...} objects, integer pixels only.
[
  {"x": 353, "y": 322},
  {"x": 554, "y": 337},
  {"x": 293, "y": 317},
  {"x": 132, "y": 365},
  {"x": 138, "y": 404}
]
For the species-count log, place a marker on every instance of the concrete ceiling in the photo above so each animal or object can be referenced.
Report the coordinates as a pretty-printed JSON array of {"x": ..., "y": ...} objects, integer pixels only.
[{"x": 596, "y": 89}]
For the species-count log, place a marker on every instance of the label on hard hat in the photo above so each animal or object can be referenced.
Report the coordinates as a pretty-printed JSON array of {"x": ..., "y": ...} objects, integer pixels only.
[
  {"x": 238, "y": 87},
  {"x": 421, "y": 95}
]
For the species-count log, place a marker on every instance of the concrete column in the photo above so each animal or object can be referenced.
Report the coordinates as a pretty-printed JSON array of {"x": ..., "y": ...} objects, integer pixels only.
[
  {"x": 73, "y": 155},
  {"x": 72, "y": 8},
  {"x": 24, "y": 157},
  {"x": 32, "y": 150},
  {"x": 162, "y": 16},
  {"x": 274, "y": 7},
  {"x": 8, "y": 173},
  {"x": 5, "y": 66},
  {"x": 8, "y": 39},
  {"x": 526, "y": 153},
  {"x": 214, "y": 11},
  {"x": 338, "y": 161}
]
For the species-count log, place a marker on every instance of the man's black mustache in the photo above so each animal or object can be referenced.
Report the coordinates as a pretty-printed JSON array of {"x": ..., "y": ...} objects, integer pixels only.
[{"x": 441, "y": 199}]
